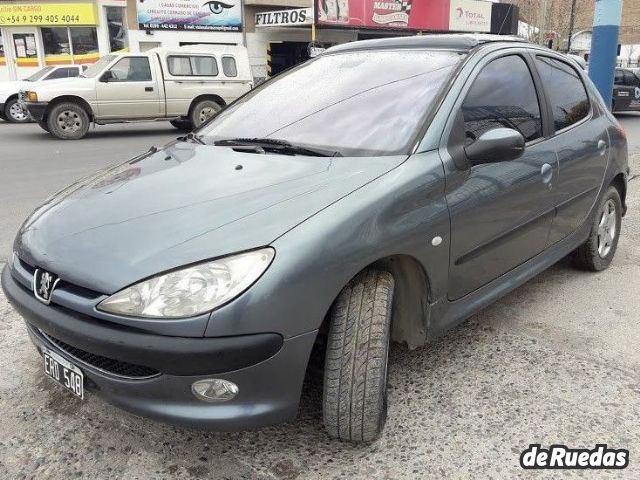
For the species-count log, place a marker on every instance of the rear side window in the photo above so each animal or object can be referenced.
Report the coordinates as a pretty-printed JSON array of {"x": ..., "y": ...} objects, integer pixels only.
[
  {"x": 568, "y": 96},
  {"x": 192, "y": 66},
  {"x": 630, "y": 79},
  {"x": 619, "y": 77},
  {"x": 503, "y": 95},
  {"x": 229, "y": 67}
]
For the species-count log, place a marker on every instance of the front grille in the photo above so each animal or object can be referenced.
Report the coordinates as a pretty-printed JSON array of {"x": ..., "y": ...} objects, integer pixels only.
[{"x": 116, "y": 367}]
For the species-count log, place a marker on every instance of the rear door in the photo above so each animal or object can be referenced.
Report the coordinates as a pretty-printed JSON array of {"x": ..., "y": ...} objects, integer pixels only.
[
  {"x": 129, "y": 90},
  {"x": 626, "y": 91},
  {"x": 580, "y": 139},
  {"x": 500, "y": 212}
]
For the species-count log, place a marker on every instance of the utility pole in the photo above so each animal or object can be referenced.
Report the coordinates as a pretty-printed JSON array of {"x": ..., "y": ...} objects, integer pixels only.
[
  {"x": 542, "y": 22},
  {"x": 572, "y": 20},
  {"x": 604, "y": 46}
]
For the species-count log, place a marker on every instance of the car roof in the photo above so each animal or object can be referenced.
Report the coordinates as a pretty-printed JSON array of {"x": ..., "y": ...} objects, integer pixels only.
[{"x": 460, "y": 42}]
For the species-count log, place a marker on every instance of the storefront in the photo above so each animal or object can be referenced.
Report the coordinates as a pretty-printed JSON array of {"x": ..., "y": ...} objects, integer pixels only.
[
  {"x": 278, "y": 39},
  {"x": 35, "y": 34}
]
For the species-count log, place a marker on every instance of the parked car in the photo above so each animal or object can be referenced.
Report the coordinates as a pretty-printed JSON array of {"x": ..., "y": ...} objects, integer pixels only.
[
  {"x": 384, "y": 190},
  {"x": 185, "y": 86},
  {"x": 10, "y": 110},
  {"x": 626, "y": 90}
]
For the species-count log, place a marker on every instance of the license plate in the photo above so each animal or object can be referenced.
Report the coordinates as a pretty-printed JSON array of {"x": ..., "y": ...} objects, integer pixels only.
[{"x": 64, "y": 372}]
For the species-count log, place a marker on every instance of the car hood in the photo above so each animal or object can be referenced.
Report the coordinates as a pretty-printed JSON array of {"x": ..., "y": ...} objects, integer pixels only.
[
  {"x": 182, "y": 204},
  {"x": 60, "y": 85}
]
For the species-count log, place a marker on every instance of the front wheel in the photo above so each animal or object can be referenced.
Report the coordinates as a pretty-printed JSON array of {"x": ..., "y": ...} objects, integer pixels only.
[
  {"x": 355, "y": 372},
  {"x": 182, "y": 125},
  {"x": 14, "y": 112},
  {"x": 68, "y": 121},
  {"x": 203, "y": 111},
  {"x": 598, "y": 251}
]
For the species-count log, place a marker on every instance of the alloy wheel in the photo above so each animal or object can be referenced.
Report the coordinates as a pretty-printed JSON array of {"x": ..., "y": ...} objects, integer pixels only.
[{"x": 607, "y": 228}]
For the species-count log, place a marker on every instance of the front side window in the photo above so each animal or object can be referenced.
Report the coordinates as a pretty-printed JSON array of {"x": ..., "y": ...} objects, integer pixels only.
[
  {"x": 229, "y": 67},
  {"x": 66, "y": 72},
  {"x": 192, "y": 66},
  {"x": 97, "y": 67},
  {"x": 356, "y": 103},
  {"x": 568, "y": 96},
  {"x": 503, "y": 95},
  {"x": 131, "y": 69}
]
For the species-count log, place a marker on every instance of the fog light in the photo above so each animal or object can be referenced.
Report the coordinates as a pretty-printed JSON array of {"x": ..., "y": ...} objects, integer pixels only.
[{"x": 214, "y": 390}]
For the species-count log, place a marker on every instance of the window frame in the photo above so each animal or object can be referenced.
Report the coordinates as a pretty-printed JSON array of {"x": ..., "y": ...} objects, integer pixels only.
[
  {"x": 118, "y": 60},
  {"x": 550, "y": 119},
  {"x": 190, "y": 56}
]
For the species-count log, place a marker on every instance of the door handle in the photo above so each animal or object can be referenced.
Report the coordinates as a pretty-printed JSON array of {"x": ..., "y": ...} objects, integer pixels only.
[
  {"x": 546, "y": 172},
  {"x": 602, "y": 146},
  {"x": 148, "y": 89}
]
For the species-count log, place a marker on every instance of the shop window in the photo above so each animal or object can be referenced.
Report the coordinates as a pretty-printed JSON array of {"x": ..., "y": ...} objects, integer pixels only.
[
  {"x": 189, "y": 66},
  {"x": 1, "y": 47},
  {"x": 117, "y": 24},
  {"x": 229, "y": 67},
  {"x": 84, "y": 40},
  {"x": 56, "y": 41}
]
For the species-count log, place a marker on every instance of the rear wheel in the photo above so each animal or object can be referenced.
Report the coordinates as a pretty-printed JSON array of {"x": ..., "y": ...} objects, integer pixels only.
[
  {"x": 355, "y": 372},
  {"x": 598, "y": 251},
  {"x": 68, "y": 121},
  {"x": 14, "y": 113},
  {"x": 203, "y": 111}
]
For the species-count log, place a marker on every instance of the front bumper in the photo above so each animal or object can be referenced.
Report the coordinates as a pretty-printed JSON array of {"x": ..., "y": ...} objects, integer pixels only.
[
  {"x": 269, "y": 379},
  {"x": 37, "y": 110}
]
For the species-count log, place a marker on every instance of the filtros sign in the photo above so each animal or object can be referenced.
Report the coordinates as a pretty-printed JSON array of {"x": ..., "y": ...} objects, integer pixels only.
[{"x": 285, "y": 18}]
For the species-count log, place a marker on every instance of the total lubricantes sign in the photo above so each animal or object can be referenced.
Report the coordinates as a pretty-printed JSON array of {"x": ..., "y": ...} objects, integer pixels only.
[
  {"x": 432, "y": 15},
  {"x": 190, "y": 15},
  {"x": 470, "y": 16}
]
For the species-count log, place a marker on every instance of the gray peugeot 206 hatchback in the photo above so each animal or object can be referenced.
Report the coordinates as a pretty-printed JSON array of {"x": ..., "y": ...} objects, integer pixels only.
[{"x": 384, "y": 190}]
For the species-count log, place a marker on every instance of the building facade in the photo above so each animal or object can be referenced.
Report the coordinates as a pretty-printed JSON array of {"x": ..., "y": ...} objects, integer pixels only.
[{"x": 34, "y": 34}]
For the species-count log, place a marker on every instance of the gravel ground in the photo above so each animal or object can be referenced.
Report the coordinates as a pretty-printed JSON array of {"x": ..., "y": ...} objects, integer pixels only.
[{"x": 556, "y": 361}]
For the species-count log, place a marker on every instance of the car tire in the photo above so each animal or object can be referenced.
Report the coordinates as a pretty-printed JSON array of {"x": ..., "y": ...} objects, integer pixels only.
[
  {"x": 598, "y": 251},
  {"x": 182, "y": 125},
  {"x": 355, "y": 373},
  {"x": 14, "y": 113},
  {"x": 203, "y": 111},
  {"x": 68, "y": 121}
]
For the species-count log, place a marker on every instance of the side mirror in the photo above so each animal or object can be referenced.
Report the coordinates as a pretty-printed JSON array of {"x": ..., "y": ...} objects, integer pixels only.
[
  {"x": 497, "y": 145},
  {"x": 107, "y": 77}
]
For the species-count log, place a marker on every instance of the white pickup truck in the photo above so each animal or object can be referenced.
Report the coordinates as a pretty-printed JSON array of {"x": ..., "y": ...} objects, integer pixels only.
[{"x": 185, "y": 85}]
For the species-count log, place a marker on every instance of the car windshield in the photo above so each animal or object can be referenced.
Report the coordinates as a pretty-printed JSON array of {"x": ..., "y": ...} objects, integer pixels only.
[
  {"x": 364, "y": 103},
  {"x": 39, "y": 74},
  {"x": 97, "y": 67}
]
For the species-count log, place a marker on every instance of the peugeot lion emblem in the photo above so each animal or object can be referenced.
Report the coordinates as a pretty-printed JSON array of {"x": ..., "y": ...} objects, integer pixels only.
[{"x": 43, "y": 285}]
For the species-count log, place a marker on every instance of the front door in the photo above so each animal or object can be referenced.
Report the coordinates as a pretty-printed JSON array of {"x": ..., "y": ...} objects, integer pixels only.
[
  {"x": 129, "y": 89},
  {"x": 23, "y": 52},
  {"x": 501, "y": 212}
]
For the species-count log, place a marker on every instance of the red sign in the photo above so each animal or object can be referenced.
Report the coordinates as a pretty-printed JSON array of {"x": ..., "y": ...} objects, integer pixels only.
[{"x": 393, "y": 14}]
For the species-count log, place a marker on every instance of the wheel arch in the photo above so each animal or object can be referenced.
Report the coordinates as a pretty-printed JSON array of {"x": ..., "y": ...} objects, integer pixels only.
[
  {"x": 206, "y": 96},
  {"x": 412, "y": 299},
  {"x": 69, "y": 98},
  {"x": 619, "y": 183}
]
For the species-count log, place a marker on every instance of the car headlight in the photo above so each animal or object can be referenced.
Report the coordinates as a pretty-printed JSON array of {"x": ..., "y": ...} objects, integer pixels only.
[
  {"x": 32, "y": 97},
  {"x": 192, "y": 290}
]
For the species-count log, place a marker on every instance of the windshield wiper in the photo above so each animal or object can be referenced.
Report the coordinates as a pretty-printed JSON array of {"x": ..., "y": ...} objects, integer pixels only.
[
  {"x": 192, "y": 137},
  {"x": 277, "y": 146}
]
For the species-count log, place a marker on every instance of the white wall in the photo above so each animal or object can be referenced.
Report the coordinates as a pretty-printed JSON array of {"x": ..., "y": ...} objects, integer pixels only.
[{"x": 173, "y": 38}]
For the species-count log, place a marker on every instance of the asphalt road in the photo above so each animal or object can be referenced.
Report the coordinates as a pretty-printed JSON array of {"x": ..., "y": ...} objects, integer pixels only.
[{"x": 556, "y": 361}]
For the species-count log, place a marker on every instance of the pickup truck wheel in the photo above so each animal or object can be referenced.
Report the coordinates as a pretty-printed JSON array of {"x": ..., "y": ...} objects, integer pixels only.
[
  {"x": 14, "y": 113},
  {"x": 182, "y": 125},
  {"x": 203, "y": 111},
  {"x": 68, "y": 121},
  {"x": 355, "y": 373},
  {"x": 598, "y": 251}
]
